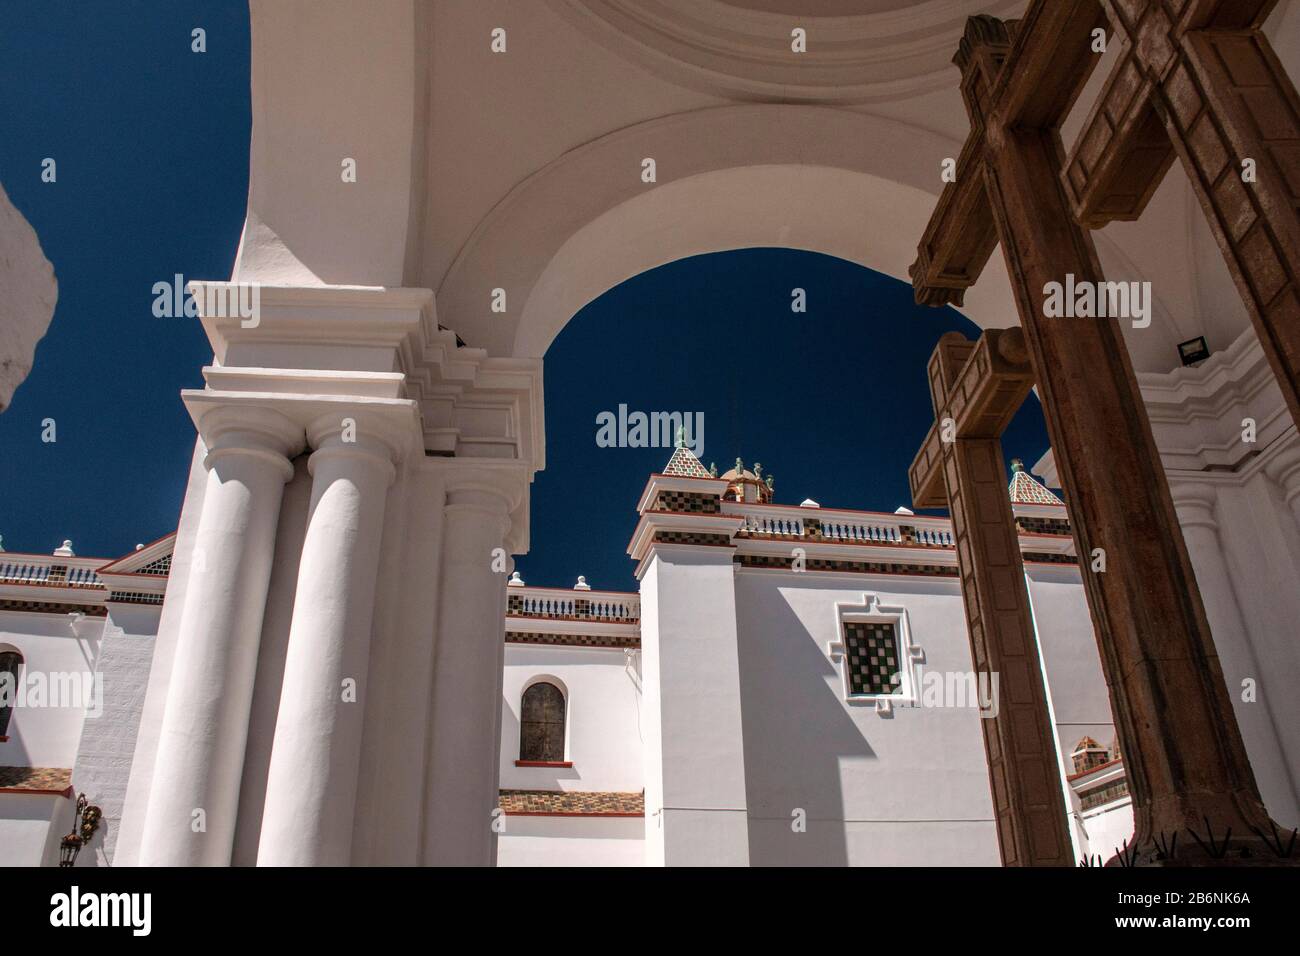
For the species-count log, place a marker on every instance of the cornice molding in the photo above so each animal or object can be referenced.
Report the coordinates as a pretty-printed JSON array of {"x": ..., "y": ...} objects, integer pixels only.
[
  {"x": 374, "y": 343},
  {"x": 1196, "y": 412}
]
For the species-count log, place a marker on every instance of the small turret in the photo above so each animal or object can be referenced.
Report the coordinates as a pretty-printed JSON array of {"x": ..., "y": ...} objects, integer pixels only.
[{"x": 748, "y": 486}]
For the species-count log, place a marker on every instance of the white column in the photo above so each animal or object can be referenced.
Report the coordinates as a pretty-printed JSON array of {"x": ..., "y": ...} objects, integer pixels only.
[
  {"x": 312, "y": 779},
  {"x": 1284, "y": 470},
  {"x": 469, "y": 664},
  {"x": 1239, "y": 658},
  {"x": 195, "y": 791}
]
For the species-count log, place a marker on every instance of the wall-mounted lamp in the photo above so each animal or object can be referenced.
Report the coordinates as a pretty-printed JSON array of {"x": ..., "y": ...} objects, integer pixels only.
[
  {"x": 84, "y": 824},
  {"x": 1194, "y": 350}
]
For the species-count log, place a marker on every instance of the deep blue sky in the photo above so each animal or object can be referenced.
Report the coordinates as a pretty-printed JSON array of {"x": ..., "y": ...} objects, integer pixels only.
[
  {"x": 833, "y": 402},
  {"x": 151, "y": 142}
]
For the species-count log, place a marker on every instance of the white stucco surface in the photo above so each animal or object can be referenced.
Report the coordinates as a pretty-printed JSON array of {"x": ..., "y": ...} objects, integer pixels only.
[{"x": 27, "y": 305}]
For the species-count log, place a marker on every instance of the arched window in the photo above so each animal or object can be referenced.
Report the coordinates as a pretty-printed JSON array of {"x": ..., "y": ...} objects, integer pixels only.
[
  {"x": 10, "y": 661},
  {"x": 541, "y": 732}
]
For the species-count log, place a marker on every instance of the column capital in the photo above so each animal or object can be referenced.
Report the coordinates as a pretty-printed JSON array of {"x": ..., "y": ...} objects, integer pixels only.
[
  {"x": 228, "y": 430},
  {"x": 1283, "y": 469},
  {"x": 478, "y": 480},
  {"x": 367, "y": 433},
  {"x": 1194, "y": 502}
]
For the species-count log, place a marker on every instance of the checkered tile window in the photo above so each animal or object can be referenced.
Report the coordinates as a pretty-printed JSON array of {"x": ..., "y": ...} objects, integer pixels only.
[{"x": 871, "y": 657}]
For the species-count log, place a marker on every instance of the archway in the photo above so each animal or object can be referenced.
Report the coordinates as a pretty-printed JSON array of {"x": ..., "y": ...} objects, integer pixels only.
[{"x": 812, "y": 178}]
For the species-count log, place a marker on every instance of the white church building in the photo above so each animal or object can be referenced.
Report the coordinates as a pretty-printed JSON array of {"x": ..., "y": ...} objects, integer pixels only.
[
  {"x": 330, "y": 661},
  {"x": 791, "y": 684}
]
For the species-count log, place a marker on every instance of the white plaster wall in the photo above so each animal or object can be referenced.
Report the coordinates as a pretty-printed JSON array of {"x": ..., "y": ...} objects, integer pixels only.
[
  {"x": 103, "y": 761},
  {"x": 1077, "y": 695},
  {"x": 45, "y": 736},
  {"x": 51, "y": 644},
  {"x": 1108, "y": 828},
  {"x": 1261, "y": 544},
  {"x": 652, "y": 717},
  {"x": 906, "y": 790},
  {"x": 30, "y": 828},
  {"x": 571, "y": 841},
  {"x": 1080, "y": 700},
  {"x": 127, "y": 848},
  {"x": 334, "y": 79},
  {"x": 1244, "y": 543},
  {"x": 697, "y": 810},
  {"x": 603, "y": 718}
]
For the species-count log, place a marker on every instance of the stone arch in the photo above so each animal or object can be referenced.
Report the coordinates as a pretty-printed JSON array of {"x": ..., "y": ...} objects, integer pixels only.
[{"x": 847, "y": 184}]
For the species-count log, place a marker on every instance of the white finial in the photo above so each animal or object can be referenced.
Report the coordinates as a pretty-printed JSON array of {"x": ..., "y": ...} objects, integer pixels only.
[
  {"x": 515, "y": 581},
  {"x": 900, "y": 510},
  {"x": 65, "y": 551},
  {"x": 139, "y": 547},
  {"x": 582, "y": 584},
  {"x": 808, "y": 503}
]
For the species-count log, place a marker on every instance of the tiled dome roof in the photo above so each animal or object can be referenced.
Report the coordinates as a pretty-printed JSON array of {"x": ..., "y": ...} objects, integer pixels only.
[
  {"x": 1026, "y": 490},
  {"x": 683, "y": 464},
  {"x": 732, "y": 474},
  {"x": 746, "y": 485}
]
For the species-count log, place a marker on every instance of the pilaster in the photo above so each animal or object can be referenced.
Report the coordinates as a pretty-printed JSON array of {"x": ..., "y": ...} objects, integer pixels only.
[{"x": 458, "y": 824}]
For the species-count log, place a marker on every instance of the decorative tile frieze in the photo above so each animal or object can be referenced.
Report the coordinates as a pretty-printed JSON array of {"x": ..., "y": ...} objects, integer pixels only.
[
  {"x": 35, "y": 779},
  {"x": 858, "y": 567},
  {"x": 161, "y": 567},
  {"x": 1100, "y": 796},
  {"x": 1049, "y": 557},
  {"x": 135, "y": 597},
  {"x": 691, "y": 537},
  {"x": 574, "y": 640},
  {"x": 1026, "y": 524},
  {"x": 603, "y": 803},
  {"x": 687, "y": 502},
  {"x": 55, "y": 607}
]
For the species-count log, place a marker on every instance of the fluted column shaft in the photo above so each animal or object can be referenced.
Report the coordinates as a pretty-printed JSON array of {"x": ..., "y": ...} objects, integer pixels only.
[
  {"x": 312, "y": 780},
  {"x": 194, "y": 794}
]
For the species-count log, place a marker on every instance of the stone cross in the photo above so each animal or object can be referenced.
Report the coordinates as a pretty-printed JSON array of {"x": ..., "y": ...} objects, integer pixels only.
[
  {"x": 976, "y": 388},
  {"x": 1186, "y": 764},
  {"x": 1207, "y": 87}
]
